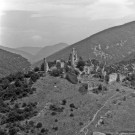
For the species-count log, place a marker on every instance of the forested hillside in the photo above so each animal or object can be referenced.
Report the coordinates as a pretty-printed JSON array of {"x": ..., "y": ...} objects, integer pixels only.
[{"x": 10, "y": 63}]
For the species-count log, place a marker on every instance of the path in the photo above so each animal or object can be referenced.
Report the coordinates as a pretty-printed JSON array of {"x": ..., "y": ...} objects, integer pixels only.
[{"x": 85, "y": 128}]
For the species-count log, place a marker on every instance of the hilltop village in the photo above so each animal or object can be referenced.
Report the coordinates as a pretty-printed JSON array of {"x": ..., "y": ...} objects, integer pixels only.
[
  {"x": 79, "y": 69},
  {"x": 69, "y": 97}
]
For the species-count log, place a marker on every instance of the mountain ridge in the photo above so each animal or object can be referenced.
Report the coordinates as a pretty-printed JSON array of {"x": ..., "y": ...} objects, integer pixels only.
[
  {"x": 112, "y": 45},
  {"x": 48, "y": 50},
  {"x": 29, "y": 49},
  {"x": 20, "y": 52}
]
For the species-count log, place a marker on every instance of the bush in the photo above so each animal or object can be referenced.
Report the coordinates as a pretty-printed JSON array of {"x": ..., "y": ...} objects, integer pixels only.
[
  {"x": 83, "y": 89},
  {"x": 5, "y": 83},
  {"x": 100, "y": 87},
  {"x": 80, "y": 65},
  {"x": 118, "y": 78},
  {"x": 43, "y": 130},
  {"x": 56, "y": 72},
  {"x": 42, "y": 67},
  {"x": 2, "y": 132},
  {"x": 106, "y": 79},
  {"x": 36, "y": 69},
  {"x": 34, "y": 77},
  {"x": 39, "y": 125},
  {"x": 18, "y": 83}
]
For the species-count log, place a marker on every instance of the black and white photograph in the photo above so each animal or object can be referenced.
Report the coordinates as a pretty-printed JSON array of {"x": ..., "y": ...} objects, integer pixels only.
[{"x": 67, "y": 67}]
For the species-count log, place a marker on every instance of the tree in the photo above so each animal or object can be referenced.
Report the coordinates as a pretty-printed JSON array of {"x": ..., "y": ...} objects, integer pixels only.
[
  {"x": 18, "y": 83},
  {"x": 95, "y": 62},
  {"x": 5, "y": 83},
  {"x": 36, "y": 69},
  {"x": 80, "y": 64},
  {"x": 83, "y": 89},
  {"x": 118, "y": 78},
  {"x": 34, "y": 77},
  {"x": 106, "y": 79},
  {"x": 42, "y": 67},
  {"x": 56, "y": 72},
  {"x": 39, "y": 125}
]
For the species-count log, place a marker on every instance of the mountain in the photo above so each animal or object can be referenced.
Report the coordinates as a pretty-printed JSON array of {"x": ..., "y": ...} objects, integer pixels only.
[
  {"x": 30, "y": 50},
  {"x": 113, "y": 45},
  {"x": 48, "y": 50},
  {"x": 22, "y": 53},
  {"x": 10, "y": 63}
]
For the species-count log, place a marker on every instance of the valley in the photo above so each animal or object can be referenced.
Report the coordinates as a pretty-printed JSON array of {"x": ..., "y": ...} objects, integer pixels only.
[
  {"x": 87, "y": 88},
  {"x": 59, "y": 106}
]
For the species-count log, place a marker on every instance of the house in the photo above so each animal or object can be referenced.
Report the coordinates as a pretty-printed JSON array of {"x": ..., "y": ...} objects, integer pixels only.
[
  {"x": 92, "y": 85},
  {"x": 122, "y": 77},
  {"x": 87, "y": 70},
  {"x": 60, "y": 63},
  {"x": 112, "y": 77}
]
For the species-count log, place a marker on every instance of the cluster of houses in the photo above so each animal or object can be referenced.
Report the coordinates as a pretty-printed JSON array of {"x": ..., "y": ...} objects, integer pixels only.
[{"x": 88, "y": 68}]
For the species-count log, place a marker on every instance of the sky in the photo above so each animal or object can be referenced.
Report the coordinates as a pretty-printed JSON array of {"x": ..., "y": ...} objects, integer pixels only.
[{"x": 48, "y": 22}]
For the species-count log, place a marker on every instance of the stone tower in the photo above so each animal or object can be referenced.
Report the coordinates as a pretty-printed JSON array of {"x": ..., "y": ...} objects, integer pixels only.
[
  {"x": 46, "y": 67},
  {"x": 74, "y": 58}
]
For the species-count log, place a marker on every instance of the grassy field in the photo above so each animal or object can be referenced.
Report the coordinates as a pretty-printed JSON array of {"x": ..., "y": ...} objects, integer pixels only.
[{"x": 63, "y": 110}]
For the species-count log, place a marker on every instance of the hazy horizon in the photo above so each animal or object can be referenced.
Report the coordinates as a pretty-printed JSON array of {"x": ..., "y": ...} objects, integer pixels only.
[{"x": 40, "y": 23}]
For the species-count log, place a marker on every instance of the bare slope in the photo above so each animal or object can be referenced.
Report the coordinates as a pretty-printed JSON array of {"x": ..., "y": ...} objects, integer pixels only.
[
  {"x": 10, "y": 63},
  {"x": 112, "y": 44}
]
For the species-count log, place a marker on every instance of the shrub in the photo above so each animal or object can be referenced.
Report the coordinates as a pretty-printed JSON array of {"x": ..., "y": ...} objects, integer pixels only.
[
  {"x": 100, "y": 87},
  {"x": 18, "y": 83},
  {"x": 39, "y": 125},
  {"x": 118, "y": 78},
  {"x": 36, "y": 69},
  {"x": 5, "y": 83},
  {"x": 42, "y": 67},
  {"x": 31, "y": 123},
  {"x": 80, "y": 65},
  {"x": 43, "y": 130},
  {"x": 106, "y": 79},
  {"x": 83, "y": 89},
  {"x": 34, "y": 77},
  {"x": 56, "y": 72},
  {"x": 2, "y": 132}
]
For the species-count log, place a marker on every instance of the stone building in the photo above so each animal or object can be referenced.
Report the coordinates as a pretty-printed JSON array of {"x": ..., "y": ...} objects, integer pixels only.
[
  {"x": 87, "y": 70},
  {"x": 60, "y": 63},
  {"x": 113, "y": 77},
  {"x": 92, "y": 85},
  {"x": 74, "y": 58},
  {"x": 46, "y": 67}
]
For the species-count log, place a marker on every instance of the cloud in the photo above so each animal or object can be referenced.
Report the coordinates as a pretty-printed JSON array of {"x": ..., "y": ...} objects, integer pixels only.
[
  {"x": 110, "y": 9},
  {"x": 37, "y": 38},
  {"x": 92, "y": 9}
]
